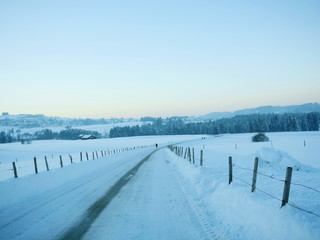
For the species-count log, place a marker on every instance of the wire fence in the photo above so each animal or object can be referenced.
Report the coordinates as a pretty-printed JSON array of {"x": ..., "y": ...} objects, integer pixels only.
[
  {"x": 279, "y": 180},
  {"x": 274, "y": 178},
  {"x": 185, "y": 153},
  {"x": 44, "y": 163}
]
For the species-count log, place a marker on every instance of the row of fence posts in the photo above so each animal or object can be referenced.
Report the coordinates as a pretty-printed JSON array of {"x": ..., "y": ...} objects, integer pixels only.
[
  {"x": 94, "y": 155},
  {"x": 287, "y": 182},
  {"x": 186, "y": 153}
]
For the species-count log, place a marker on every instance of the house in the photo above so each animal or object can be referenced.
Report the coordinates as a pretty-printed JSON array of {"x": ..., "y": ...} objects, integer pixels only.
[{"x": 87, "y": 137}]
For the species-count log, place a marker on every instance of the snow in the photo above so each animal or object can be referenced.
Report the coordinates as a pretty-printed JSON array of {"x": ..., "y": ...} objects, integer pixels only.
[
  {"x": 41, "y": 206},
  {"x": 23, "y": 155},
  {"x": 240, "y": 214},
  {"x": 103, "y": 129},
  {"x": 151, "y": 206},
  {"x": 168, "y": 197}
]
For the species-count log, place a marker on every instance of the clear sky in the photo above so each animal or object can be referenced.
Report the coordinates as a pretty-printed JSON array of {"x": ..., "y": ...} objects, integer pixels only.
[{"x": 156, "y": 58}]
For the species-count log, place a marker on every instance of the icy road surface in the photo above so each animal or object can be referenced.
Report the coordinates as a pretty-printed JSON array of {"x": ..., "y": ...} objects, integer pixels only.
[
  {"x": 135, "y": 196},
  {"x": 151, "y": 206}
]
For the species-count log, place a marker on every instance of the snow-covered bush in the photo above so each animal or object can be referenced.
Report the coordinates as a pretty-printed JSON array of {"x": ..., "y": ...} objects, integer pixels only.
[{"x": 260, "y": 137}]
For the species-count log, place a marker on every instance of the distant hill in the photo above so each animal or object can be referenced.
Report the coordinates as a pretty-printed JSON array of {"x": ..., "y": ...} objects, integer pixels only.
[
  {"x": 39, "y": 121},
  {"x": 31, "y": 123},
  {"x": 304, "y": 108}
]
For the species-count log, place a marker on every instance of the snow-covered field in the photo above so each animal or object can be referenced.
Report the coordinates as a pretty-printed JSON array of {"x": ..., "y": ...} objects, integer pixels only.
[
  {"x": 233, "y": 210},
  {"x": 103, "y": 129},
  {"x": 23, "y": 155},
  {"x": 167, "y": 197}
]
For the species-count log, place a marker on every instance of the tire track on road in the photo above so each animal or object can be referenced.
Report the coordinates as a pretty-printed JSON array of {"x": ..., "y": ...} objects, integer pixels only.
[
  {"x": 53, "y": 198},
  {"x": 82, "y": 226}
]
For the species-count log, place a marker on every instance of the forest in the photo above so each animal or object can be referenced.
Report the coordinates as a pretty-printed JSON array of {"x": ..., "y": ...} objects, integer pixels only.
[
  {"x": 238, "y": 124},
  {"x": 177, "y": 126},
  {"x": 45, "y": 134}
]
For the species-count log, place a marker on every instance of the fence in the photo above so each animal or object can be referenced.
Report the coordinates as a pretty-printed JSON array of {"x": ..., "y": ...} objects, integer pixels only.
[
  {"x": 22, "y": 168},
  {"x": 287, "y": 183},
  {"x": 187, "y": 153}
]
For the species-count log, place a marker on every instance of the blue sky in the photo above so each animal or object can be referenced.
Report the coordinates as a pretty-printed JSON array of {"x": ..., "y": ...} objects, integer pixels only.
[{"x": 156, "y": 58}]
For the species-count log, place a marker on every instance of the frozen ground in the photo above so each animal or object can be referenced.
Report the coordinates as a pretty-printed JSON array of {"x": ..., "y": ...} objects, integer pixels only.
[{"x": 148, "y": 194}]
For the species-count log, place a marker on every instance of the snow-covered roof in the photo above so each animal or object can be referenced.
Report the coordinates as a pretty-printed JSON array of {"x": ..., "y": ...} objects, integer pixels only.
[{"x": 82, "y": 136}]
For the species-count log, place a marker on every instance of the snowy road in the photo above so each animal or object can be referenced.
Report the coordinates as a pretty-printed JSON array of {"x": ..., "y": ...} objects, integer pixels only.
[
  {"x": 150, "y": 206},
  {"x": 148, "y": 194},
  {"x": 136, "y": 197},
  {"x": 47, "y": 214}
]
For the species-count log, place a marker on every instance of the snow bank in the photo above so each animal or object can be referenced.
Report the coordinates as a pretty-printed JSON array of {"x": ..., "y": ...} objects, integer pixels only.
[
  {"x": 235, "y": 212},
  {"x": 277, "y": 159}
]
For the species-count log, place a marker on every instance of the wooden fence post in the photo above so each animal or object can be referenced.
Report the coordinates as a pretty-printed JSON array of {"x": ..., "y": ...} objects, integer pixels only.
[
  {"x": 101, "y": 153},
  {"x": 14, "y": 170},
  {"x": 35, "y": 165},
  {"x": 70, "y": 158},
  {"x": 61, "y": 163},
  {"x": 193, "y": 160},
  {"x": 185, "y": 153},
  {"x": 189, "y": 154},
  {"x": 92, "y": 155},
  {"x": 46, "y": 161},
  {"x": 81, "y": 156},
  {"x": 230, "y": 169},
  {"x": 286, "y": 189},
  {"x": 201, "y": 157},
  {"x": 255, "y": 171},
  {"x": 97, "y": 154}
]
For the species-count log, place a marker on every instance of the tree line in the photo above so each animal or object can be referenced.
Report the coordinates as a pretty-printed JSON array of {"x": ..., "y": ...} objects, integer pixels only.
[
  {"x": 176, "y": 126},
  {"x": 46, "y": 134},
  {"x": 238, "y": 124}
]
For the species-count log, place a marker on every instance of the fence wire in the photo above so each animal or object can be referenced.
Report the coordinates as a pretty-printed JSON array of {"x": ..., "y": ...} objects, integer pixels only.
[
  {"x": 67, "y": 160},
  {"x": 274, "y": 178},
  {"x": 264, "y": 192},
  {"x": 274, "y": 197}
]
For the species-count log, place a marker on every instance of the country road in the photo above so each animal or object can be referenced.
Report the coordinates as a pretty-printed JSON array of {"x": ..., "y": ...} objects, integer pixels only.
[
  {"x": 51, "y": 208},
  {"x": 135, "y": 196},
  {"x": 150, "y": 206},
  {"x": 152, "y": 193}
]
